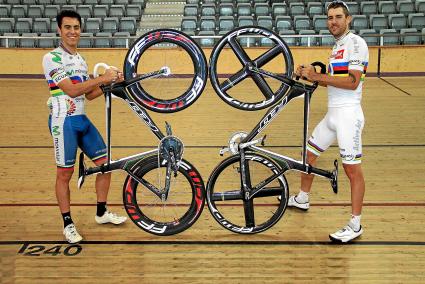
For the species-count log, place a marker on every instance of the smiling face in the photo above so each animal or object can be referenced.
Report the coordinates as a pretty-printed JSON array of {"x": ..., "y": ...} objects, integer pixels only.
[
  {"x": 338, "y": 22},
  {"x": 69, "y": 32}
]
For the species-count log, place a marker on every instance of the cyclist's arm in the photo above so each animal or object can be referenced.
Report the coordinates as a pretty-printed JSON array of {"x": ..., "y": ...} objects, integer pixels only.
[
  {"x": 86, "y": 87},
  {"x": 351, "y": 82},
  {"x": 96, "y": 92}
]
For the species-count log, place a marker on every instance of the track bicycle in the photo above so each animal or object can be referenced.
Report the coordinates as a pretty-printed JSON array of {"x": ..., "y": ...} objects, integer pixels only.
[
  {"x": 252, "y": 177},
  {"x": 163, "y": 194}
]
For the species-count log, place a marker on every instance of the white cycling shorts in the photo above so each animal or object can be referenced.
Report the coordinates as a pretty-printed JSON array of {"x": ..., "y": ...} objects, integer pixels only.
[{"x": 345, "y": 124}]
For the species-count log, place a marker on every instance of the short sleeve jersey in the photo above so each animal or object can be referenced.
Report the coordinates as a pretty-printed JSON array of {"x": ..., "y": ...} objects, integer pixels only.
[
  {"x": 58, "y": 65},
  {"x": 349, "y": 53}
]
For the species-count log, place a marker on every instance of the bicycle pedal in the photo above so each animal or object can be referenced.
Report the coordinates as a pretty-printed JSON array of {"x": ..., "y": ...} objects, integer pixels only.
[{"x": 224, "y": 150}]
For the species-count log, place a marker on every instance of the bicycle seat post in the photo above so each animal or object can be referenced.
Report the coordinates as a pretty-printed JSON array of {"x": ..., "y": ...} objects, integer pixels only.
[
  {"x": 108, "y": 108},
  {"x": 306, "y": 118}
]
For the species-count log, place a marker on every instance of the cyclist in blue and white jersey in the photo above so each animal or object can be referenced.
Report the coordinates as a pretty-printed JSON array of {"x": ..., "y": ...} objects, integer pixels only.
[
  {"x": 344, "y": 120},
  {"x": 69, "y": 83}
]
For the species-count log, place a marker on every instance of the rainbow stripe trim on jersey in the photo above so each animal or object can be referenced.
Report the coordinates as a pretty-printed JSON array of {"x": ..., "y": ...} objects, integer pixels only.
[
  {"x": 340, "y": 69},
  {"x": 365, "y": 64},
  {"x": 54, "y": 89},
  {"x": 314, "y": 148}
]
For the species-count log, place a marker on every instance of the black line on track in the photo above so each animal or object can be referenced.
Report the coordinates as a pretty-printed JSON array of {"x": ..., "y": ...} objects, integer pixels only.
[
  {"x": 256, "y": 243},
  {"x": 217, "y": 146},
  {"x": 394, "y": 86},
  {"x": 367, "y": 204}
]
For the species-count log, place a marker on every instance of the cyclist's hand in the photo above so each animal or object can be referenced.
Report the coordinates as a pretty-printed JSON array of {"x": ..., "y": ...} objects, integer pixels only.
[
  {"x": 110, "y": 76},
  {"x": 120, "y": 77},
  {"x": 298, "y": 70},
  {"x": 309, "y": 73}
]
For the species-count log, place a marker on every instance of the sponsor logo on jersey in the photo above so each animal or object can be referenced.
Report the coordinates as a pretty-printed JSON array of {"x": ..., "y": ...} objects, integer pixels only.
[
  {"x": 56, "y": 57},
  {"x": 55, "y": 131},
  {"x": 70, "y": 107},
  {"x": 339, "y": 54}
]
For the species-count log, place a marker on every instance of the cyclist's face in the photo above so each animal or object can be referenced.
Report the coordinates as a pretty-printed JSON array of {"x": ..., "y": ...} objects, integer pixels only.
[
  {"x": 70, "y": 31},
  {"x": 338, "y": 22}
]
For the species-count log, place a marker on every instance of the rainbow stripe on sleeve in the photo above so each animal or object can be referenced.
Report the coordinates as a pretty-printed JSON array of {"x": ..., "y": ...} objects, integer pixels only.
[
  {"x": 54, "y": 89},
  {"x": 340, "y": 69}
]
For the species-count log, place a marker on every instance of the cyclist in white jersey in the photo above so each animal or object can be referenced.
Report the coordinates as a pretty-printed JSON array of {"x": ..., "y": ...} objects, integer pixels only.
[
  {"x": 344, "y": 120},
  {"x": 67, "y": 76}
]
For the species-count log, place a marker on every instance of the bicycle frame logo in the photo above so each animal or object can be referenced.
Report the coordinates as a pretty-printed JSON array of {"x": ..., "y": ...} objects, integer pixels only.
[
  {"x": 142, "y": 115},
  {"x": 272, "y": 114}
]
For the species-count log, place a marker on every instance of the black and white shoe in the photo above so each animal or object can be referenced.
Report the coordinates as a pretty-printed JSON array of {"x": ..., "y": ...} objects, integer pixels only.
[
  {"x": 346, "y": 234},
  {"x": 292, "y": 202}
]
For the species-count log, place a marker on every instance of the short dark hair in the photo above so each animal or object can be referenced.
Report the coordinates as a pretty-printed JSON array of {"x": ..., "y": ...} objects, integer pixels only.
[
  {"x": 339, "y": 4},
  {"x": 67, "y": 13}
]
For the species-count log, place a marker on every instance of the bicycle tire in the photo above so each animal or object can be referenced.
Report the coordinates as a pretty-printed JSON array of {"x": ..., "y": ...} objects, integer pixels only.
[
  {"x": 216, "y": 197},
  {"x": 147, "y": 210},
  {"x": 271, "y": 97},
  {"x": 140, "y": 96}
]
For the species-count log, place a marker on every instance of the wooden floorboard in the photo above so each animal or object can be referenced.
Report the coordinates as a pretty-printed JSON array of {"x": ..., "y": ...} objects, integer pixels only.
[{"x": 295, "y": 250}]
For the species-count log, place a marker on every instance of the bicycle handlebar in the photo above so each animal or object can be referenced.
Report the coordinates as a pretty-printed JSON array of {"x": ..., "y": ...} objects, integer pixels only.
[
  {"x": 314, "y": 64},
  {"x": 164, "y": 71}
]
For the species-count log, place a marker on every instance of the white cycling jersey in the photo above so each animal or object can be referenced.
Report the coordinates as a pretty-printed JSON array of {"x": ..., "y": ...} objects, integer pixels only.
[
  {"x": 59, "y": 64},
  {"x": 350, "y": 52}
]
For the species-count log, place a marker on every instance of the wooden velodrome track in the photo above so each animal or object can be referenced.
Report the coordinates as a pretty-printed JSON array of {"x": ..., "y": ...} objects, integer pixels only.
[{"x": 297, "y": 249}]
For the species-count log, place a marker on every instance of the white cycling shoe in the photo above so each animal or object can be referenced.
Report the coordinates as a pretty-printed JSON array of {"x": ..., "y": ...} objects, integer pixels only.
[
  {"x": 346, "y": 234},
  {"x": 71, "y": 234},
  {"x": 110, "y": 217},
  {"x": 292, "y": 202}
]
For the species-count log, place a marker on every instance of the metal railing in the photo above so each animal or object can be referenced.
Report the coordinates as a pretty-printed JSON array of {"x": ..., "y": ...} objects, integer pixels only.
[{"x": 311, "y": 40}]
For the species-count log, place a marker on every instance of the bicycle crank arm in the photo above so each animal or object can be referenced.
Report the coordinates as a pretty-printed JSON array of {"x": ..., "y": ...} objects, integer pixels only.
[
  {"x": 250, "y": 143},
  {"x": 332, "y": 176},
  {"x": 81, "y": 171},
  {"x": 334, "y": 179},
  {"x": 224, "y": 150}
]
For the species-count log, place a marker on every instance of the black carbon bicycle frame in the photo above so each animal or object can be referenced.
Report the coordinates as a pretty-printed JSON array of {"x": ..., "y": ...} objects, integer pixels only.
[{"x": 296, "y": 89}]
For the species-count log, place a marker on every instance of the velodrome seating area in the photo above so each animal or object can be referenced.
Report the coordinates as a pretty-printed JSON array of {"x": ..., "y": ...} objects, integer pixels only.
[
  {"x": 401, "y": 22},
  {"x": 101, "y": 18},
  {"x": 111, "y": 23}
]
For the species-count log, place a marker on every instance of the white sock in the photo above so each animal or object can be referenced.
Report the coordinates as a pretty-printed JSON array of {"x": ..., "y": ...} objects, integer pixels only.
[
  {"x": 302, "y": 197},
  {"x": 355, "y": 222}
]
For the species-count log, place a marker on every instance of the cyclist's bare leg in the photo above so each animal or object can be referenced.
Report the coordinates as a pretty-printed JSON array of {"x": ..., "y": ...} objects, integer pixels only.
[
  {"x": 102, "y": 184},
  {"x": 63, "y": 176},
  {"x": 355, "y": 175},
  {"x": 307, "y": 179}
]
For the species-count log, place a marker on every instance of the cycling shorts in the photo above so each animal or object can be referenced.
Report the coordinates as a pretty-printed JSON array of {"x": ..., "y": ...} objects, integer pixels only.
[
  {"x": 75, "y": 131},
  {"x": 345, "y": 124}
]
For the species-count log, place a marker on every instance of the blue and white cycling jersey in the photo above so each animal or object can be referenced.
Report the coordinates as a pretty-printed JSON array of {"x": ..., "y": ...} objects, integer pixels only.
[
  {"x": 68, "y": 124},
  {"x": 58, "y": 65}
]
